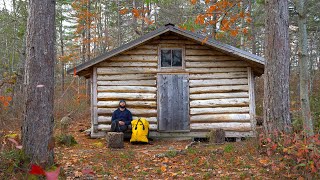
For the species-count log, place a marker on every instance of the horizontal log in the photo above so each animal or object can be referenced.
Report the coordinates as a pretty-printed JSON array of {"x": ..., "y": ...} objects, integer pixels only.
[
  {"x": 234, "y": 126},
  {"x": 231, "y": 75},
  {"x": 144, "y": 58},
  {"x": 219, "y": 110},
  {"x": 217, "y": 82},
  {"x": 147, "y": 47},
  {"x": 202, "y": 52},
  {"x": 129, "y": 104},
  {"x": 127, "y": 77},
  {"x": 107, "y": 119},
  {"x": 126, "y": 96},
  {"x": 209, "y": 58},
  {"x": 197, "y": 47},
  {"x": 217, "y": 89},
  {"x": 232, "y": 102},
  {"x": 142, "y": 52},
  {"x": 107, "y": 127},
  {"x": 127, "y": 89},
  {"x": 127, "y": 70},
  {"x": 219, "y": 95},
  {"x": 135, "y": 111},
  {"x": 128, "y": 83},
  {"x": 127, "y": 64},
  {"x": 216, "y": 64},
  {"x": 214, "y": 70},
  {"x": 207, "y": 118}
]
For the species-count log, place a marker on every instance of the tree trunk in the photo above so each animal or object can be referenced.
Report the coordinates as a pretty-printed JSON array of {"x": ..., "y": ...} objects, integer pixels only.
[
  {"x": 253, "y": 33},
  {"x": 303, "y": 64},
  {"x": 277, "y": 65},
  {"x": 37, "y": 130}
]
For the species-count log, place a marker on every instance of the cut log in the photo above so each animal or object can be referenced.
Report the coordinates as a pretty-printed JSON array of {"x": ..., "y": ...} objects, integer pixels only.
[
  {"x": 203, "y": 52},
  {"x": 127, "y": 89},
  {"x": 127, "y": 64},
  {"x": 129, "y": 70},
  {"x": 209, "y": 58},
  {"x": 127, "y": 77},
  {"x": 107, "y": 119},
  {"x": 217, "y": 136},
  {"x": 147, "y": 47},
  {"x": 214, "y": 64},
  {"x": 219, "y": 95},
  {"x": 232, "y": 75},
  {"x": 234, "y": 126},
  {"x": 217, "y": 82},
  {"x": 214, "y": 70},
  {"x": 144, "y": 58},
  {"x": 126, "y": 96},
  {"x": 136, "y": 111},
  {"x": 232, "y": 102},
  {"x": 129, "y": 104},
  {"x": 114, "y": 140},
  {"x": 205, "y": 118},
  {"x": 128, "y": 83},
  {"x": 198, "y": 111},
  {"x": 219, "y": 89}
]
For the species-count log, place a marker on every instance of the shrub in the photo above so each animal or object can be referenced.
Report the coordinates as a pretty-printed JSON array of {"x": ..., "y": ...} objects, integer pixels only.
[
  {"x": 300, "y": 153},
  {"x": 67, "y": 140}
]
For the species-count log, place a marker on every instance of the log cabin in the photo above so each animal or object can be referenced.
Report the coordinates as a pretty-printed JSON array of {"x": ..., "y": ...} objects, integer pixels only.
[{"x": 183, "y": 85}]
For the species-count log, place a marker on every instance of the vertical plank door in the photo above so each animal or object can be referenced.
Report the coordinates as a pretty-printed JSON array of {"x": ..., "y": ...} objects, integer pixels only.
[{"x": 173, "y": 102}]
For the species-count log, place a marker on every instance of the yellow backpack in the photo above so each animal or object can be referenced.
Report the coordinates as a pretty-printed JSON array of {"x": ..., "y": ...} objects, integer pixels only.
[{"x": 140, "y": 130}]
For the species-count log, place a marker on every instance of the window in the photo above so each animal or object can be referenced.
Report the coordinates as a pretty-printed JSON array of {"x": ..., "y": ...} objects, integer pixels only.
[{"x": 171, "y": 58}]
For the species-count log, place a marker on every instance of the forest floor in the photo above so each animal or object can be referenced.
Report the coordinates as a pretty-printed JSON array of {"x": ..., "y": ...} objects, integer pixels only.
[
  {"x": 164, "y": 159},
  {"x": 161, "y": 159}
]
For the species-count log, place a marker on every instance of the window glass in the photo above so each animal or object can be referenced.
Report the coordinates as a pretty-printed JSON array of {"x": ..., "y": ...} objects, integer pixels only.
[
  {"x": 177, "y": 57},
  {"x": 165, "y": 58}
]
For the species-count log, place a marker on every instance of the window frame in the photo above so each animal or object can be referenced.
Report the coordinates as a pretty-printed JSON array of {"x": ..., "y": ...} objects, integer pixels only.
[{"x": 172, "y": 48}]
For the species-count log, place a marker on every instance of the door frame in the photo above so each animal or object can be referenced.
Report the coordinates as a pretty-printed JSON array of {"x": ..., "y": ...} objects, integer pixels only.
[{"x": 158, "y": 103}]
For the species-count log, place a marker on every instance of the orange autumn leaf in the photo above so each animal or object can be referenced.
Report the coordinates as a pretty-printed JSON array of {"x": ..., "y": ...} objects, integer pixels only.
[
  {"x": 204, "y": 40},
  {"x": 241, "y": 14},
  {"x": 212, "y": 8},
  {"x": 207, "y": 1},
  {"x": 74, "y": 72},
  {"x": 193, "y": 2},
  {"x": 135, "y": 12},
  {"x": 234, "y": 33},
  {"x": 124, "y": 11},
  {"x": 163, "y": 169},
  {"x": 245, "y": 31},
  {"x": 248, "y": 20}
]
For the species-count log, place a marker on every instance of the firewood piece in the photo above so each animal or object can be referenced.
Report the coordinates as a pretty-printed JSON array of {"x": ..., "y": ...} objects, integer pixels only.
[
  {"x": 217, "y": 136},
  {"x": 114, "y": 140}
]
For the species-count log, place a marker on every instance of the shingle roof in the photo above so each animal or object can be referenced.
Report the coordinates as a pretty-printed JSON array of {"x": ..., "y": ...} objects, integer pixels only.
[{"x": 255, "y": 60}]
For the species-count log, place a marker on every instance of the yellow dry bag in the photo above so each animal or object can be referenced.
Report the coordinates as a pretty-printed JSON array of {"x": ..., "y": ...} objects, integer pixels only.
[{"x": 140, "y": 130}]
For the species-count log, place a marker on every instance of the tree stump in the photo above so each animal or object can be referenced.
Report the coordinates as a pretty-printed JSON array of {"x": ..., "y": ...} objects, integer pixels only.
[
  {"x": 217, "y": 136},
  {"x": 114, "y": 140}
]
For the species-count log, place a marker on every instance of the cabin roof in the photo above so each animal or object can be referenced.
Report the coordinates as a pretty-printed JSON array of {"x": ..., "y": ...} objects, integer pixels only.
[{"x": 255, "y": 61}]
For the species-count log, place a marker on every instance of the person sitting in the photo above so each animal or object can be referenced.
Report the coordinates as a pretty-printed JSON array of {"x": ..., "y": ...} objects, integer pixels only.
[{"x": 121, "y": 118}]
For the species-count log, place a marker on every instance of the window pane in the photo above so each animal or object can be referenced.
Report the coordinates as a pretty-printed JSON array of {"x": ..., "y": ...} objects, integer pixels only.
[
  {"x": 165, "y": 58},
  {"x": 176, "y": 57}
]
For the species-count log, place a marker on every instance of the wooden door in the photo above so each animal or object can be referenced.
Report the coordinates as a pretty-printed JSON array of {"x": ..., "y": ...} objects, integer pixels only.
[{"x": 173, "y": 102}]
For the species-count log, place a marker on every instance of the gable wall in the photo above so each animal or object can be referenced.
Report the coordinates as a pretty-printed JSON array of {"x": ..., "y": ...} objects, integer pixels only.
[{"x": 219, "y": 88}]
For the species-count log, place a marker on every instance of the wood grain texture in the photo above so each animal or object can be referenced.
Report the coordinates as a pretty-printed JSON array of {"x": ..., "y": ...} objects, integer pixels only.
[
  {"x": 126, "y": 96},
  {"x": 218, "y": 89},
  {"x": 129, "y": 104},
  {"x": 127, "y": 89},
  {"x": 205, "y": 96},
  {"x": 215, "y": 64},
  {"x": 126, "y": 77},
  {"x": 173, "y": 102},
  {"x": 232, "y": 102},
  {"x": 219, "y": 110},
  {"x": 217, "y": 82},
  {"x": 128, "y": 83},
  {"x": 234, "y": 126},
  {"x": 231, "y": 75},
  {"x": 215, "y": 70},
  {"x": 206, "y": 118},
  {"x": 196, "y": 58}
]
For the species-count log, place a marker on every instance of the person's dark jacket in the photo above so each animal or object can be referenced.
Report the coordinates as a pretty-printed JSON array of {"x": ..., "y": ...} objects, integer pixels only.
[{"x": 125, "y": 116}]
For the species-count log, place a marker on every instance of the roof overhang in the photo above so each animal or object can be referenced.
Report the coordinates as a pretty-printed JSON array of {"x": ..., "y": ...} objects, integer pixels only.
[{"x": 255, "y": 61}]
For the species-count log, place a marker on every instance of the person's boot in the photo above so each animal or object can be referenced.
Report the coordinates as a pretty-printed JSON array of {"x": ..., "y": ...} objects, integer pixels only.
[{"x": 113, "y": 126}]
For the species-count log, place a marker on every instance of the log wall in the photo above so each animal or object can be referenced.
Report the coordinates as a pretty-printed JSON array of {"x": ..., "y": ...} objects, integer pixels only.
[{"x": 219, "y": 85}]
